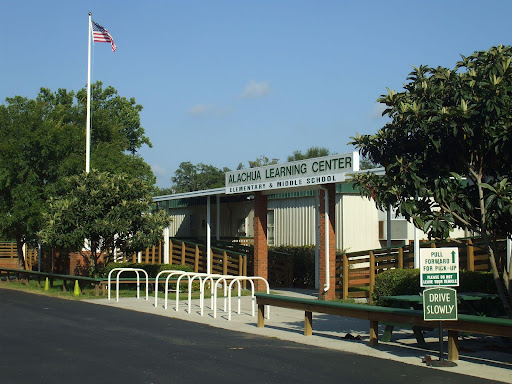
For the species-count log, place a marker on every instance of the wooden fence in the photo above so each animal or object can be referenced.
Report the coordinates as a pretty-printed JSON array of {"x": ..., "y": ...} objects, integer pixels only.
[
  {"x": 356, "y": 271},
  {"x": 9, "y": 255},
  {"x": 224, "y": 262}
]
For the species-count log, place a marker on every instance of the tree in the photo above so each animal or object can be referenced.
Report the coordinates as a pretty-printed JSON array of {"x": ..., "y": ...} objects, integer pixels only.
[
  {"x": 111, "y": 211},
  {"x": 260, "y": 161},
  {"x": 310, "y": 153},
  {"x": 116, "y": 133},
  {"x": 189, "y": 177},
  {"x": 366, "y": 163},
  {"x": 162, "y": 191},
  {"x": 30, "y": 154},
  {"x": 446, "y": 152},
  {"x": 43, "y": 140}
]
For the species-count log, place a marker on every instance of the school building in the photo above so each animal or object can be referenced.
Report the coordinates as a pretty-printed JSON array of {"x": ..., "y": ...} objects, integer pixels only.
[{"x": 308, "y": 202}]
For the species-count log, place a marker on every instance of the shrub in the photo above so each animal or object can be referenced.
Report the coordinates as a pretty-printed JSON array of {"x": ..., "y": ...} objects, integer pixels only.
[
  {"x": 151, "y": 269},
  {"x": 396, "y": 282},
  {"x": 476, "y": 282}
]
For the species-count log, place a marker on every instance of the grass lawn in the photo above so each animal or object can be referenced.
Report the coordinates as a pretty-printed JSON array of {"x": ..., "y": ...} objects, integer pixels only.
[{"x": 88, "y": 291}]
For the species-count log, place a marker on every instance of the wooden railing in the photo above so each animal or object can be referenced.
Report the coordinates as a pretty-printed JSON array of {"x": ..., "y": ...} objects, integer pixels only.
[
  {"x": 237, "y": 261},
  {"x": 224, "y": 262},
  {"x": 9, "y": 255},
  {"x": 356, "y": 271}
]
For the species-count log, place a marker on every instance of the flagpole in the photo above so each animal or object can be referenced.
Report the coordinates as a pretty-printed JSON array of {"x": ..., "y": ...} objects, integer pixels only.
[{"x": 88, "y": 122}]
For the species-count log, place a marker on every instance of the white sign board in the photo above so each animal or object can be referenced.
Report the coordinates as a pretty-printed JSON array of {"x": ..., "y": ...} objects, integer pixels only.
[
  {"x": 439, "y": 267},
  {"x": 302, "y": 173}
]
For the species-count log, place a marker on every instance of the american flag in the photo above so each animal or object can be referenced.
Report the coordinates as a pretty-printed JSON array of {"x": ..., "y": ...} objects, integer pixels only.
[{"x": 101, "y": 35}]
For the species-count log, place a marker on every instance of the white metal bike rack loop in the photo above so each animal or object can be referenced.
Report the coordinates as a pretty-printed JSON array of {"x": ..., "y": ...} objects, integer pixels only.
[
  {"x": 213, "y": 288},
  {"x": 253, "y": 298},
  {"x": 181, "y": 275},
  {"x": 227, "y": 290},
  {"x": 222, "y": 280},
  {"x": 171, "y": 272},
  {"x": 190, "y": 279},
  {"x": 121, "y": 270}
]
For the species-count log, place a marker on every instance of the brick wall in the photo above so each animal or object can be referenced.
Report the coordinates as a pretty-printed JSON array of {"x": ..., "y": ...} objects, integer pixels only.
[
  {"x": 260, "y": 239},
  {"x": 330, "y": 294}
]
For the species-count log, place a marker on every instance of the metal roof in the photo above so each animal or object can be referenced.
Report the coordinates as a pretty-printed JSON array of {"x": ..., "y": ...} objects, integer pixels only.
[{"x": 189, "y": 195}]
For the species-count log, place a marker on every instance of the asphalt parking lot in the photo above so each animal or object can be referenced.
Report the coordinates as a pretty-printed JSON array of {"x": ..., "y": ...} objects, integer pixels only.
[{"x": 49, "y": 340}]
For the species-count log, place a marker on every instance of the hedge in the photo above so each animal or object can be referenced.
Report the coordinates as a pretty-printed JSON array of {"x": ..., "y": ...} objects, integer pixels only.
[{"x": 395, "y": 282}]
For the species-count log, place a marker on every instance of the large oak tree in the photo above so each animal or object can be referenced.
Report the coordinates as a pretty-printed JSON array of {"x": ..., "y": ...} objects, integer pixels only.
[{"x": 42, "y": 141}]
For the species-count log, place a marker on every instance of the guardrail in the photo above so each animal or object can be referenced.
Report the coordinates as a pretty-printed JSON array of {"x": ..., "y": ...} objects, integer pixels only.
[{"x": 19, "y": 273}]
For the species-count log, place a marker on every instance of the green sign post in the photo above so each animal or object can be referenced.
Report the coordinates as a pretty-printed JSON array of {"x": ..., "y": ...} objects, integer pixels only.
[
  {"x": 439, "y": 269},
  {"x": 440, "y": 304}
]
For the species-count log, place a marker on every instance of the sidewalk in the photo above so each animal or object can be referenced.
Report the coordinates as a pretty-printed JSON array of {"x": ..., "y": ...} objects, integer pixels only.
[{"x": 485, "y": 357}]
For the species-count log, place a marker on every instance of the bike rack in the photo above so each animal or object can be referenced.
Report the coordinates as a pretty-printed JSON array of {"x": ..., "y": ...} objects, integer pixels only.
[
  {"x": 172, "y": 272},
  {"x": 121, "y": 270},
  {"x": 214, "y": 296},
  {"x": 253, "y": 298},
  {"x": 236, "y": 279},
  {"x": 214, "y": 287},
  {"x": 183, "y": 274}
]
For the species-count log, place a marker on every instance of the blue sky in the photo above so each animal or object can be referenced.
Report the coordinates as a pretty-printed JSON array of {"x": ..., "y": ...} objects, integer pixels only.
[{"x": 223, "y": 82}]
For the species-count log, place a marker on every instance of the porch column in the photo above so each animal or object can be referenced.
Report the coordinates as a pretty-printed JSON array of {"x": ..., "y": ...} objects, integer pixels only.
[
  {"x": 165, "y": 244},
  {"x": 327, "y": 267},
  {"x": 208, "y": 237},
  {"x": 317, "y": 236},
  {"x": 260, "y": 239},
  {"x": 217, "y": 226}
]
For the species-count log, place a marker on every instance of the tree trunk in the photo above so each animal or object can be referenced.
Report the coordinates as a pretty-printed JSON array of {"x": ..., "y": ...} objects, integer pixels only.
[
  {"x": 505, "y": 298},
  {"x": 510, "y": 278}
]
